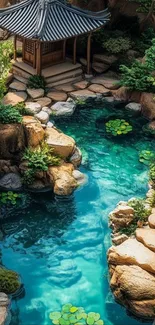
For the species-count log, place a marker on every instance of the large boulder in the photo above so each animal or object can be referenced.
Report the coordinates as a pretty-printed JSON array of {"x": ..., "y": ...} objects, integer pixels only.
[
  {"x": 134, "y": 288},
  {"x": 132, "y": 252},
  {"x": 33, "y": 108},
  {"x": 11, "y": 182},
  {"x": 121, "y": 217},
  {"x": 12, "y": 141},
  {"x": 147, "y": 237},
  {"x": 64, "y": 182},
  {"x": 33, "y": 131},
  {"x": 134, "y": 108},
  {"x": 4, "y": 303},
  {"x": 62, "y": 144},
  {"x": 148, "y": 105},
  {"x": 43, "y": 117}
]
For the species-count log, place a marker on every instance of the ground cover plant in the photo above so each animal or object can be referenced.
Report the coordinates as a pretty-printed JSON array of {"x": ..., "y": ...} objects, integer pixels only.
[
  {"x": 118, "y": 127},
  {"x": 36, "y": 82},
  {"x": 9, "y": 114},
  {"x": 70, "y": 314},
  {"x": 9, "y": 281}
]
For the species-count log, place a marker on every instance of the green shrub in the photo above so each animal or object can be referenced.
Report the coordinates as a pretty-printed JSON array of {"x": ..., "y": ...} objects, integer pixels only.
[
  {"x": 144, "y": 41},
  {"x": 9, "y": 281},
  {"x": 152, "y": 173},
  {"x": 144, "y": 5},
  {"x": 39, "y": 160},
  {"x": 75, "y": 315},
  {"x": 146, "y": 157},
  {"x": 36, "y": 82},
  {"x": 9, "y": 114},
  {"x": 140, "y": 212},
  {"x": 9, "y": 198},
  {"x": 118, "y": 127},
  {"x": 118, "y": 45},
  {"x": 6, "y": 49},
  {"x": 20, "y": 107}
]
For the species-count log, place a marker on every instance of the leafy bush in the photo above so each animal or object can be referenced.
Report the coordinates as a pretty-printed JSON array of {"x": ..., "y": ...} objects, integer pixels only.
[
  {"x": 36, "y": 82},
  {"x": 118, "y": 127},
  {"x": 144, "y": 41},
  {"x": 152, "y": 173},
  {"x": 39, "y": 160},
  {"x": 140, "y": 212},
  {"x": 146, "y": 157},
  {"x": 9, "y": 198},
  {"x": 9, "y": 281},
  {"x": 20, "y": 107},
  {"x": 144, "y": 5},
  {"x": 118, "y": 45},
  {"x": 9, "y": 114},
  {"x": 75, "y": 315},
  {"x": 6, "y": 48}
]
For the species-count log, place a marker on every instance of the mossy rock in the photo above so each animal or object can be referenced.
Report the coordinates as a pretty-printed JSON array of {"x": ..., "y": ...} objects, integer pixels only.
[{"x": 9, "y": 281}]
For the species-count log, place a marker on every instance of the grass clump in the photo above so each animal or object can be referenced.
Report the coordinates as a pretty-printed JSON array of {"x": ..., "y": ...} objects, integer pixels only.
[
  {"x": 9, "y": 114},
  {"x": 36, "y": 82},
  {"x": 9, "y": 281}
]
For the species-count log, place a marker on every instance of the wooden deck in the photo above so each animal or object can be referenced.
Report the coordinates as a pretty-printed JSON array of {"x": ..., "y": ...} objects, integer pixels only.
[{"x": 49, "y": 72}]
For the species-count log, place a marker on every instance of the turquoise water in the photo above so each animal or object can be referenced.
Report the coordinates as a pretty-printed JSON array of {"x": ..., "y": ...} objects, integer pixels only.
[{"x": 59, "y": 245}]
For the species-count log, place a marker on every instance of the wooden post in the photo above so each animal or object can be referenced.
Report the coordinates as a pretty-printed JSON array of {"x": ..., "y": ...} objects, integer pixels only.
[
  {"x": 88, "y": 53},
  {"x": 15, "y": 48},
  {"x": 38, "y": 58},
  {"x": 64, "y": 49},
  {"x": 74, "y": 50}
]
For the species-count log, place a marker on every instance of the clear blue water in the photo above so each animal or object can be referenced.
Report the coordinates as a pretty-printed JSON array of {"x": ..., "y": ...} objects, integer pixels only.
[{"x": 59, "y": 245}]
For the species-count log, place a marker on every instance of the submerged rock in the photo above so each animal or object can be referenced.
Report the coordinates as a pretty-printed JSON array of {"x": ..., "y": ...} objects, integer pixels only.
[
  {"x": 135, "y": 108},
  {"x": 80, "y": 177}
]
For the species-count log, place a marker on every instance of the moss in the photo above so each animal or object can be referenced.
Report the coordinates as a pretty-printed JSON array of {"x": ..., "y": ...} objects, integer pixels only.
[{"x": 9, "y": 281}]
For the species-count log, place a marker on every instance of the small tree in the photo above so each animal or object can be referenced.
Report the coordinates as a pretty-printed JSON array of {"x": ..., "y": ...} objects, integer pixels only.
[{"x": 6, "y": 49}]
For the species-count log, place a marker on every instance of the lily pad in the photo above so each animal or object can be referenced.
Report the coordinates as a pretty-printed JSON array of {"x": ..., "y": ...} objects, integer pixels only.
[
  {"x": 65, "y": 316},
  {"x": 73, "y": 309},
  {"x": 55, "y": 315},
  {"x": 62, "y": 321},
  {"x": 99, "y": 322},
  {"x": 72, "y": 319},
  {"x": 55, "y": 321},
  {"x": 90, "y": 320},
  {"x": 66, "y": 308}
]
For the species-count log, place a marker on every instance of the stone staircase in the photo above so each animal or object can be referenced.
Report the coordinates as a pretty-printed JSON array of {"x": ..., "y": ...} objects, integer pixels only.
[{"x": 56, "y": 75}]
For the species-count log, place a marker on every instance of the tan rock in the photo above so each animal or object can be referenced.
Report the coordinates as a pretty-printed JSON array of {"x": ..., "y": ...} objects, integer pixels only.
[
  {"x": 12, "y": 141},
  {"x": 120, "y": 217},
  {"x": 4, "y": 302},
  {"x": 106, "y": 82},
  {"x": 147, "y": 237},
  {"x": 14, "y": 98},
  {"x": 67, "y": 88},
  {"x": 82, "y": 94},
  {"x": 76, "y": 157},
  {"x": 151, "y": 220},
  {"x": 99, "y": 89},
  {"x": 132, "y": 252},
  {"x": 44, "y": 101},
  {"x": 134, "y": 288},
  {"x": 35, "y": 93},
  {"x": 64, "y": 182},
  {"x": 148, "y": 105},
  {"x": 57, "y": 96},
  {"x": 16, "y": 85},
  {"x": 119, "y": 239},
  {"x": 81, "y": 84},
  {"x": 63, "y": 144},
  {"x": 33, "y": 130}
]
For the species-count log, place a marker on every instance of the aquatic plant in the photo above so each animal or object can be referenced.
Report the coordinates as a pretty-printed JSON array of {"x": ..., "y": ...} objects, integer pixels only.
[
  {"x": 118, "y": 127},
  {"x": 36, "y": 82},
  {"x": 9, "y": 281},
  {"x": 75, "y": 315},
  {"x": 9, "y": 198},
  {"x": 146, "y": 157},
  {"x": 152, "y": 173},
  {"x": 9, "y": 114}
]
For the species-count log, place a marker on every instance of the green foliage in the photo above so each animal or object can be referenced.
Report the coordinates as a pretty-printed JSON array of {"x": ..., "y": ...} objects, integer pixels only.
[
  {"x": 80, "y": 102},
  {"x": 75, "y": 315},
  {"x": 140, "y": 212},
  {"x": 144, "y": 41},
  {"x": 6, "y": 48},
  {"x": 144, "y": 5},
  {"x": 9, "y": 114},
  {"x": 9, "y": 198},
  {"x": 38, "y": 160},
  {"x": 36, "y": 82},
  {"x": 20, "y": 107},
  {"x": 118, "y": 45},
  {"x": 118, "y": 127},
  {"x": 152, "y": 173},
  {"x": 146, "y": 157},
  {"x": 9, "y": 281}
]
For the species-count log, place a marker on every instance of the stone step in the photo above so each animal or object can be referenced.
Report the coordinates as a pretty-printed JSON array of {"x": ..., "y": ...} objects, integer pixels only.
[
  {"x": 67, "y": 75},
  {"x": 21, "y": 73},
  {"x": 21, "y": 79},
  {"x": 65, "y": 81},
  {"x": 147, "y": 237}
]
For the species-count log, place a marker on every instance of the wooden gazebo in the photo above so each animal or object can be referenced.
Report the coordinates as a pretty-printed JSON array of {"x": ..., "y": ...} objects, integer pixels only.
[{"x": 43, "y": 26}]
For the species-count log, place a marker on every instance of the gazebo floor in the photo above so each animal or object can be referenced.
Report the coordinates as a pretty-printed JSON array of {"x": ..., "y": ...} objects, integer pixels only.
[{"x": 55, "y": 75}]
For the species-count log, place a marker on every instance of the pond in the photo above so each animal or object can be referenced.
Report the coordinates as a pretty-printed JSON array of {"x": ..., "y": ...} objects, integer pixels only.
[{"x": 59, "y": 245}]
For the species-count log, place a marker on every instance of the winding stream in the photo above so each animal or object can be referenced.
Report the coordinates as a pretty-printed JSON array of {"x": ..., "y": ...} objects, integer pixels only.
[{"x": 59, "y": 245}]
